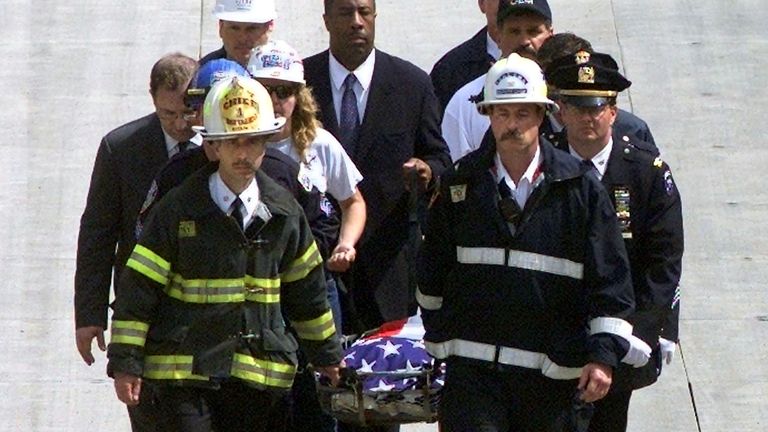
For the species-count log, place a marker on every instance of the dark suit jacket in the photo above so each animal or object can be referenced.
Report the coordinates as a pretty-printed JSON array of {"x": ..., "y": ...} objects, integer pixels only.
[
  {"x": 642, "y": 185},
  {"x": 401, "y": 121},
  {"x": 126, "y": 162},
  {"x": 459, "y": 66}
]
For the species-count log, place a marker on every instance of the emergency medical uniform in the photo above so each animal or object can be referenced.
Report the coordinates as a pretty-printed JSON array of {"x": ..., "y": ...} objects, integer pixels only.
[{"x": 522, "y": 302}]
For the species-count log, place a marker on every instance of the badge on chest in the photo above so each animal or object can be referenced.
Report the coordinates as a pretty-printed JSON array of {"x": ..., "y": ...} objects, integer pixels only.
[{"x": 621, "y": 202}]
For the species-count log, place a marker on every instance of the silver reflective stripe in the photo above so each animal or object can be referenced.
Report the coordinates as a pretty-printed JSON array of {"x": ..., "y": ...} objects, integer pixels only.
[
  {"x": 507, "y": 355},
  {"x": 428, "y": 302},
  {"x": 520, "y": 259},
  {"x": 611, "y": 325},
  {"x": 480, "y": 255}
]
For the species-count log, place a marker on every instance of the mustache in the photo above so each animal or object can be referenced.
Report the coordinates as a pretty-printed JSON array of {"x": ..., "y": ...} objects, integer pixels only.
[
  {"x": 514, "y": 134},
  {"x": 526, "y": 51},
  {"x": 244, "y": 163}
]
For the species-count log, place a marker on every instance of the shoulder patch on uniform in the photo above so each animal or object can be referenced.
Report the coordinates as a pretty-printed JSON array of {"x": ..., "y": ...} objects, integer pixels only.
[
  {"x": 458, "y": 193},
  {"x": 187, "y": 229},
  {"x": 658, "y": 163},
  {"x": 669, "y": 182}
]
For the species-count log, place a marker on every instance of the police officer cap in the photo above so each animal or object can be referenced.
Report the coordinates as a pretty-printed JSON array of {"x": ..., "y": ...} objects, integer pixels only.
[
  {"x": 510, "y": 7},
  {"x": 586, "y": 78}
]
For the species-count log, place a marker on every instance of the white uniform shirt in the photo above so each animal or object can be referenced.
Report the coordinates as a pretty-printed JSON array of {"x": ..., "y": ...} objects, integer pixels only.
[
  {"x": 528, "y": 182},
  {"x": 223, "y": 197},
  {"x": 600, "y": 160},
  {"x": 463, "y": 126},
  {"x": 328, "y": 167},
  {"x": 364, "y": 75}
]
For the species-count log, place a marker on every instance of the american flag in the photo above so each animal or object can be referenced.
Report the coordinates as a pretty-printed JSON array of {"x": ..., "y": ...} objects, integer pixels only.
[{"x": 393, "y": 358}]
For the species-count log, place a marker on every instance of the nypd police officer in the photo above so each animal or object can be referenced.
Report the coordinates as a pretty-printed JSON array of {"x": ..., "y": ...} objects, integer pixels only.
[
  {"x": 647, "y": 205},
  {"x": 524, "y": 278}
]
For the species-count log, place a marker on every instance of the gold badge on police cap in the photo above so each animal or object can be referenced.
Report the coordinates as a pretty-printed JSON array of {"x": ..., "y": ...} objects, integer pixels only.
[
  {"x": 582, "y": 57},
  {"x": 586, "y": 75}
]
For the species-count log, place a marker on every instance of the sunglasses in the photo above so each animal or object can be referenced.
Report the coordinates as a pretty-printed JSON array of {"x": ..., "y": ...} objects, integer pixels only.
[{"x": 282, "y": 91}]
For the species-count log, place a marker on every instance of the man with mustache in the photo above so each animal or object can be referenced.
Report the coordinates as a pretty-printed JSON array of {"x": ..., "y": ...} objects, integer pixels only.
[
  {"x": 243, "y": 25},
  {"x": 524, "y": 281},
  {"x": 647, "y": 204},
  {"x": 523, "y": 26},
  {"x": 225, "y": 262}
]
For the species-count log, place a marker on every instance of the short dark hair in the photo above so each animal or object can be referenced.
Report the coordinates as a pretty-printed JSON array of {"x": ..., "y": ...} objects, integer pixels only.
[
  {"x": 172, "y": 72},
  {"x": 560, "y": 45},
  {"x": 327, "y": 4}
]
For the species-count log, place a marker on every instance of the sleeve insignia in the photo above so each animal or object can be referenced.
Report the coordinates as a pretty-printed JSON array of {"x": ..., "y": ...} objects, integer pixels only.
[
  {"x": 458, "y": 193},
  {"x": 187, "y": 229},
  {"x": 658, "y": 163}
]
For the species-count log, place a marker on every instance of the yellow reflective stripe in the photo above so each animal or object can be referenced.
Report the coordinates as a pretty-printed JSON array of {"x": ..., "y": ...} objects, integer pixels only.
[
  {"x": 149, "y": 264},
  {"x": 170, "y": 367},
  {"x": 206, "y": 290},
  {"x": 318, "y": 329},
  {"x": 263, "y": 372},
  {"x": 129, "y": 332},
  {"x": 262, "y": 290},
  {"x": 300, "y": 268}
]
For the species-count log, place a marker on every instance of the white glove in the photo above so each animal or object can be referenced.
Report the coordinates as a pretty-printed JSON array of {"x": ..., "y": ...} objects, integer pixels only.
[
  {"x": 667, "y": 349},
  {"x": 639, "y": 352}
]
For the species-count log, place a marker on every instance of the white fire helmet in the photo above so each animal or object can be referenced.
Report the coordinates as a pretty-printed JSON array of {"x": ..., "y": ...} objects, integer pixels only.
[
  {"x": 245, "y": 11},
  {"x": 276, "y": 59},
  {"x": 237, "y": 107},
  {"x": 515, "y": 79}
]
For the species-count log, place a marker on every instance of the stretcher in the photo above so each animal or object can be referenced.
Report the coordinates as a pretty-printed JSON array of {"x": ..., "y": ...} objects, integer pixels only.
[{"x": 389, "y": 378}]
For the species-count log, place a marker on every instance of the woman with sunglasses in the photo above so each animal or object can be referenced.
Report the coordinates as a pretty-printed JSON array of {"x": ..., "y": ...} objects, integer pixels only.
[{"x": 323, "y": 166}]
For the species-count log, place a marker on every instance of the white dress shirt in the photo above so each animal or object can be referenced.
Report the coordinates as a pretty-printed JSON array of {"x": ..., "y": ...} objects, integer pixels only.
[
  {"x": 223, "y": 197},
  {"x": 171, "y": 144},
  {"x": 528, "y": 182},
  {"x": 492, "y": 47},
  {"x": 364, "y": 75},
  {"x": 600, "y": 160}
]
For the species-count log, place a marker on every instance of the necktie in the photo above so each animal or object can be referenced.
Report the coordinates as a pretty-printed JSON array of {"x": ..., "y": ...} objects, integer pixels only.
[
  {"x": 591, "y": 167},
  {"x": 236, "y": 213},
  {"x": 349, "y": 118},
  {"x": 510, "y": 210},
  {"x": 179, "y": 148}
]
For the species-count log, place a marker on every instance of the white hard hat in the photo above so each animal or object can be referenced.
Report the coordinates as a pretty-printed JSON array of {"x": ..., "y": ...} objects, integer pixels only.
[
  {"x": 238, "y": 106},
  {"x": 515, "y": 79},
  {"x": 276, "y": 59},
  {"x": 246, "y": 11}
]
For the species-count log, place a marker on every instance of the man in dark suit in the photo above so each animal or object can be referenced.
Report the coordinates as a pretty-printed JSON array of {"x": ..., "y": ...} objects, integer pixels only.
[
  {"x": 647, "y": 204},
  {"x": 126, "y": 162},
  {"x": 470, "y": 59},
  {"x": 384, "y": 112}
]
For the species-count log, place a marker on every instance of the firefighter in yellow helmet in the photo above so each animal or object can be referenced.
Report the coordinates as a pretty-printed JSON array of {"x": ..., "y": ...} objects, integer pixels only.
[{"x": 222, "y": 260}]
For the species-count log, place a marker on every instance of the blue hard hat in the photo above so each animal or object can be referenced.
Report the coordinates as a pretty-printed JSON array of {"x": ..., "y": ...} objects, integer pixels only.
[{"x": 209, "y": 74}]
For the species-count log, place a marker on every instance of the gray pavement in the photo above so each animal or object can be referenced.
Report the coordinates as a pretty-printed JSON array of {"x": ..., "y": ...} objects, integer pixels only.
[{"x": 74, "y": 70}]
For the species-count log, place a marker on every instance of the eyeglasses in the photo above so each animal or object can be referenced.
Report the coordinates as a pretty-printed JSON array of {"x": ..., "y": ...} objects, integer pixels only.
[
  {"x": 171, "y": 116},
  {"x": 282, "y": 91}
]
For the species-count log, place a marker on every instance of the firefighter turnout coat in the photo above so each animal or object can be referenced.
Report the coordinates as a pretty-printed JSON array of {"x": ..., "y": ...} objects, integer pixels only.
[
  {"x": 202, "y": 302},
  {"x": 552, "y": 294}
]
